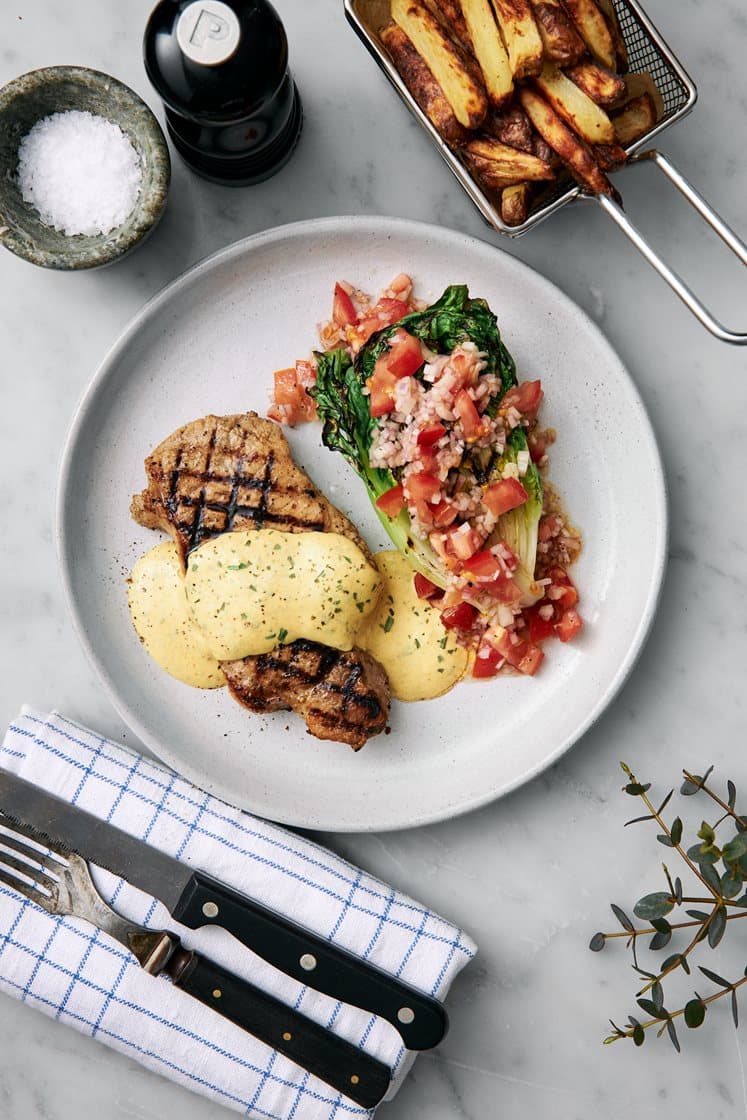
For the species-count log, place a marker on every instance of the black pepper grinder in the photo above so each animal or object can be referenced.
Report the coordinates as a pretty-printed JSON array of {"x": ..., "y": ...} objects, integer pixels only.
[{"x": 221, "y": 68}]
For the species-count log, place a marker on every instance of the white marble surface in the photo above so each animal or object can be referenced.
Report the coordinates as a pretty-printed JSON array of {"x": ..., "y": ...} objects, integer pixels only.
[{"x": 530, "y": 876}]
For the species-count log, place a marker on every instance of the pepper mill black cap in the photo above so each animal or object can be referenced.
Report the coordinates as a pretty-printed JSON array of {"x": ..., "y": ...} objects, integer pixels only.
[{"x": 221, "y": 68}]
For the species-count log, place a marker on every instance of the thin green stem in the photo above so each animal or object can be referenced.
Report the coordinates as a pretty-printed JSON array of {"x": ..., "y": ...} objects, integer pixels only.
[
  {"x": 675, "y": 1014},
  {"x": 715, "y": 797}
]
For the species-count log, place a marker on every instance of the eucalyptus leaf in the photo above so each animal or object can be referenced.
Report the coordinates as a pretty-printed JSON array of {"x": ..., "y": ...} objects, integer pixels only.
[
  {"x": 711, "y": 877},
  {"x": 622, "y": 918},
  {"x": 676, "y": 830},
  {"x": 673, "y": 1035},
  {"x": 654, "y": 905},
  {"x": 734, "y": 1008},
  {"x": 731, "y": 884},
  {"x": 597, "y": 942},
  {"x": 732, "y": 791},
  {"x": 717, "y": 927},
  {"x": 714, "y": 976},
  {"x": 635, "y": 789},
  {"x": 639, "y": 1035},
  {"x": 695, "y": 1013},
  {"x": 659, "y": 941}
]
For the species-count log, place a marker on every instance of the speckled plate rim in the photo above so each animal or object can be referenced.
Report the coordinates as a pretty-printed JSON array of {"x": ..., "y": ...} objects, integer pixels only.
[{"x": 432, "y": 803}]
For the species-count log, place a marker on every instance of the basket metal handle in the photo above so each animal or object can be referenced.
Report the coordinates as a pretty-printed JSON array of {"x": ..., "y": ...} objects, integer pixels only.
[{"x": 696, "y": 200}]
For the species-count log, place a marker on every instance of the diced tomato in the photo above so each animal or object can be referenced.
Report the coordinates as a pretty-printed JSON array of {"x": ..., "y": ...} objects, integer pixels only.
[
  {"x": 482, "y": 566},
  {"x": 425, "y": 588},
  {"x": 443, "y": 514},
  {"x": 343, "y": 311},
  {"x": 421, "y": 486},
  {"x": 538, "y": 442},
  {"x": 460, "y": 617},
  {"x": 525, "y": 398},
  {"x": 392, "y": 501},
  {"x": 473, "y": 424},
  {"x": 530, "y": 660},
  {"x": 539, "y": 628},
  {"x": 286, "y": 386},
  {"x": 292, "y": 404},
  {"x": 381, "y": 387},
  {"x": 462, "y": 541},
  {"x": 405, "y": 355},
  {"x": 386, "y": 313},
  {"x": 503, "y": 589},
  {"x": 487, "y": 662},
  {"x": 500, "y": 497},
  {"x": 428, "y": 436},
  {"x": 569, "y": 624},
  {"x": 428, "y": 460},
  {"x": 564, "y": 594},
  {"x": 305, "y": 374}
]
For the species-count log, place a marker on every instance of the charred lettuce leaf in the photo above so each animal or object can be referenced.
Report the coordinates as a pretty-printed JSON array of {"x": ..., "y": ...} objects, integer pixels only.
[{"x": 347, "y": 425}]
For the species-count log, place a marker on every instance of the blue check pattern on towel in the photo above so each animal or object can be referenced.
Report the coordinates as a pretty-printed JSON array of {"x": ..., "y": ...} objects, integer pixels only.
[{"x": 85, "y": 979}]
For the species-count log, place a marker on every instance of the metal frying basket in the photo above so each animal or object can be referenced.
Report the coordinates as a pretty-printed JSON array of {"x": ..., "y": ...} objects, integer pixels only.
[{"x": 647, "y": 52}]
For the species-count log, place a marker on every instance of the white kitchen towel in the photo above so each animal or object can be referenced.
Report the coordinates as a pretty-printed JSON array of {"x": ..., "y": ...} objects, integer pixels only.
[{"x": 82, "y": 977}]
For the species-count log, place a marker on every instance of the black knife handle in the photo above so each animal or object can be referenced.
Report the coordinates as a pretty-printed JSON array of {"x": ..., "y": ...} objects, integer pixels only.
[
  {"x": 343, "y": 1066},
  {"x": 420, "y": 1019}
]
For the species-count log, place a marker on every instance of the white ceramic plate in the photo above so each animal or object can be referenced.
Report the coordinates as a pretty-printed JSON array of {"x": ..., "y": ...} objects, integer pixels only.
[{"x": 209, "y": 343}]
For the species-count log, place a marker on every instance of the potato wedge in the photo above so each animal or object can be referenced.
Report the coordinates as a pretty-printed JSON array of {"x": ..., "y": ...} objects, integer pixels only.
[
  {"x": 515, "y": 204},
  {"x": 422, "y": 85},
  {"x": 638, "y": 84},
  {"x": 576, "y": 109},
  {"x": 598, "y": 83},
  {"x": 462, "y": 90},
  {"x": 632, "y": 122},
  {"x": 621, "y": 50},
  {"x": 609, "y": 156},
  {"x": 572, "y": 151},
  {"x": 560, "y": 39},
  {"x": 594, "y": 30},
  {"x": 499, "y": 165},
  {"x": 450, "y": 14},
  {"x": 511, "y": 126},
  {"x": 489, "y": 50},
  {"x": 521, "y": 36}
]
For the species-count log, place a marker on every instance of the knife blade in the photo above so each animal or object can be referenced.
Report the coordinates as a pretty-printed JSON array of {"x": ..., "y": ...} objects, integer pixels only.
[{"x": 195, "y": 899}]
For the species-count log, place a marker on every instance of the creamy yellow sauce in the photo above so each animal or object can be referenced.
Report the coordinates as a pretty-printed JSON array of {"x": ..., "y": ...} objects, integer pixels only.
[
  {"x": 251, "y": 591},
  {"x": 406, "y": 636},
  {"x": 164, "y": 622}
]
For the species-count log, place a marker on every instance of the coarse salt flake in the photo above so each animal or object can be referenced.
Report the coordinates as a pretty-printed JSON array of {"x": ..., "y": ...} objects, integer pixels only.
[{"x": 80, "y": 171}]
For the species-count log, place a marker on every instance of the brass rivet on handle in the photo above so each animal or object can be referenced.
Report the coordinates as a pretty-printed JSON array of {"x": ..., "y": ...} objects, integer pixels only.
[
  {"x": 308, "y": 962},
  {"x": 406, "y": 1015},
  {"x": 287, "y": 1036},
  {"x": 210, "y": 910},
  {"x": 354, "y": 1079},
  {"x": 217, "y": 993}
]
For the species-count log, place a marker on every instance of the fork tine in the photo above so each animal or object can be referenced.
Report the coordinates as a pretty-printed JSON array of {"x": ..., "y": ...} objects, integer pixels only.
[
  {"x": 29, "y": 890},
  {"x": 18, "y": 841},
  {"x": 37, "y": 875}
]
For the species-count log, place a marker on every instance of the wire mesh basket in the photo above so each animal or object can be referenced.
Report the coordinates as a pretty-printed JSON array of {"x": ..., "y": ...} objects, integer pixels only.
[{"x": 647, "y": 53}]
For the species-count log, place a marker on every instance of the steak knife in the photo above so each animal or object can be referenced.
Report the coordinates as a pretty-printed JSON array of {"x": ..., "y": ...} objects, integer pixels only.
[
  {"x": 61, "y": 884},
  {"x": 196, "y": 899}
]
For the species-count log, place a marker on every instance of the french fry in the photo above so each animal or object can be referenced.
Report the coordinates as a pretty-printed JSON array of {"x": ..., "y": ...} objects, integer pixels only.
[
  {"x": 515, "y": 204},
  {"x": 560, "y": 40},
  {"x": 511, "y": 126},
  {"x": 572, "y": 151},
  {"x": 598, "y": 83},
  {"x": 621, "y": 51},
  {"x": 499, "y": 165},
  {"x": 462, "y": 90},
  {"x": 638, "y": 116},
  {"x": 521, "y": 36},
  {"x": 422, "y": 85},
  {"x": 489, "y": 50},
  {"x": 571, "y": 104},
  {"x": 594, "y": 30}
]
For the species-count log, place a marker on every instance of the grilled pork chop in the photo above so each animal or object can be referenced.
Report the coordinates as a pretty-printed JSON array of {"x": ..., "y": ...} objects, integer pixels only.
[
  {"x": 231, "y": 472},
  {"x": 342, "y": 695},
  {"x": 224, "y": 473}
]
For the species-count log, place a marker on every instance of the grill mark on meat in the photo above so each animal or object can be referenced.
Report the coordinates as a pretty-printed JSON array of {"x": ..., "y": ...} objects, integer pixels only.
[{"x": 329, "y": 659}]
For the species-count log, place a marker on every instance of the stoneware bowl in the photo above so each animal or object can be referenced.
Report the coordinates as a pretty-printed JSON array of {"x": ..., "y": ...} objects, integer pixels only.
[{"x": 57, "y": 89}]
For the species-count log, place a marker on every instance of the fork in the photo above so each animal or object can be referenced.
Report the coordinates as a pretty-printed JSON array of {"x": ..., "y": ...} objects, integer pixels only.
[{"x": 59, "y": 881}]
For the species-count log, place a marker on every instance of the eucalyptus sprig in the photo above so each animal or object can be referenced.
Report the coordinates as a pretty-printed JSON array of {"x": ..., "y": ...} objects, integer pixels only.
[{"x": 719, "y": 872}]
